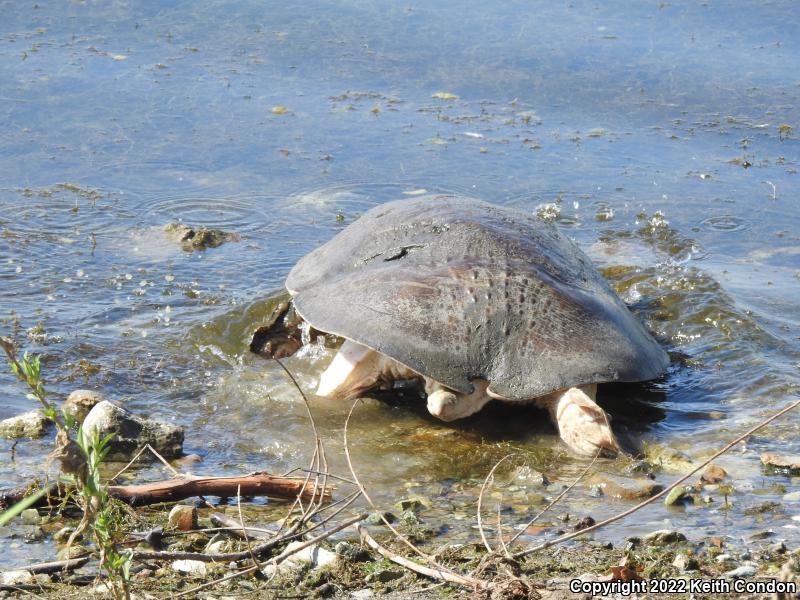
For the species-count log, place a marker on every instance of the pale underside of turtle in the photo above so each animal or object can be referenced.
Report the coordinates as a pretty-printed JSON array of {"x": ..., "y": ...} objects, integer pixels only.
[{"x": 480, "y": 301}]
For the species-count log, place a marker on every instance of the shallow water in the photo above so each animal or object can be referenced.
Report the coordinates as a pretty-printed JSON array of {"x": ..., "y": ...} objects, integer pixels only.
[{"x": 662, "y": 138}]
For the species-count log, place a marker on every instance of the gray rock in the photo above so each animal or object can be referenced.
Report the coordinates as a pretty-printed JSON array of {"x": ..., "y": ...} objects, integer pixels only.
[
  {"x": 376, "y": 518},
  {"x": 31, "y": 516},
  {"x": 664, "y": 536},
  {"x": 18, "y": 577},
  {"x": 684, "y": 562},
  {"x": 131, "y": 432},
  {"x": 362, "y": 594},
  {"x": 530, "y": 476},
  {"x": 79, "y": 403},
  {"x": 742, "y": 572},
  {"x": 31, "y": 424},
  {"x": 351, "y": 552}
]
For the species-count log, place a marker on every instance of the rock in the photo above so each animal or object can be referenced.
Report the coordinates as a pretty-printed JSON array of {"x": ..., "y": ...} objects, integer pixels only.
[
  {"x": 584, "y": 523},
  {"x": 73, "y": 551},
  {"x": 219, "y": 544},
  {"x": 785, "y": 464},
  {"x": 183, "y": 517},
  {"x": 741, "y": 572},
  {"x": 671, "y": 460},
  {"x": 351, "y": 552},
  {"x": 639, "y": 467},
  {"x": 529, "y": 476},
  {"x": 684, "y": 562},
  {"x": 132, "y": 432},
  {"x": 17, "y": 577},
  {"x": 677, "y": 495},
  {"x": 195, "y": 568},
  {"x": 384, "y": 576},
  {"x": 189, "y": 459},
  {"x": 713, "y": 474},
  {"x": 413, "y": 503},
  {"x": 376, "y": 518},
  {"x": 31, "y": 516},
  {"x": 198, "y": 238},
  {"x": 316, "y": 555},
  {"x": 596, "y": 491},
  {"x": 625, "y": 488},
  {"x": 362, "y": 594},
  {"x": 663, "y": 537},
  {"x": 79, "y": 403},
  {"x": 31, "y": 424},
  {"x": 762, "y": 535},
  {"x": 764, "y": 507}
]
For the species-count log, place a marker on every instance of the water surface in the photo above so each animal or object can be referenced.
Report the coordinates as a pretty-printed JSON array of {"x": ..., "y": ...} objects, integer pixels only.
[{"x": 661, "y": 137}]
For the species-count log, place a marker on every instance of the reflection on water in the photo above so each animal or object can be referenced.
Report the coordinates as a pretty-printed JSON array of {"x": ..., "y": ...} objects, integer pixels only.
[{"x": 662, "y": 138}]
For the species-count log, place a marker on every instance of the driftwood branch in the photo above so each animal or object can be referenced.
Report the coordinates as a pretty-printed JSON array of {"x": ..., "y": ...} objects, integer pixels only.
[{"x": 171, "y": 490}]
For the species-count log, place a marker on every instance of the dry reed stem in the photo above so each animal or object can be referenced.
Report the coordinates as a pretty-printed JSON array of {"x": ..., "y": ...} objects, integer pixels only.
[
  {"x": 489, "y": 477},
  {"x": 276, "y": 560},
  {"x": 429, "y": 559},
  {"x": 555, "y": 500},
  {"x": 447, "y": 576}
]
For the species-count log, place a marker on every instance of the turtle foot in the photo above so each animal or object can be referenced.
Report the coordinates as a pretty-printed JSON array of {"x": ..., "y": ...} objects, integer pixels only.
[
  {"x": 447, "y": 405},
  {"x": 583, "y": 425}
]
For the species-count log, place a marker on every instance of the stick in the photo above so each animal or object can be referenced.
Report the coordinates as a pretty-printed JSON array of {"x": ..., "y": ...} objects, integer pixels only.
[
  {"x": 170, "y": 490},
  {"x": 480, "y": 500},
  {"x": 555, "y": 500},
  {"x": 278, "y": 559},
  {"x": 56, "y": 566},
  {"x": 661, "y": 494},
  {"x": 447, "y": 576},
  {"x": 428, "y": 559}
]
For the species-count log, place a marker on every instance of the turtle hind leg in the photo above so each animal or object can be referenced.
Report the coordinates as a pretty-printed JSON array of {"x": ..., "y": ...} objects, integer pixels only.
[
  {"x": 582, "y": 424},
  {"x": 282, "y": 336},
  {"x": 448, "y": 405}
]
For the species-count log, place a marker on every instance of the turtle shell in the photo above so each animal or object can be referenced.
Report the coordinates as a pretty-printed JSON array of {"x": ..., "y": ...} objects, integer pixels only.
[{"x": 458, "y": 289}]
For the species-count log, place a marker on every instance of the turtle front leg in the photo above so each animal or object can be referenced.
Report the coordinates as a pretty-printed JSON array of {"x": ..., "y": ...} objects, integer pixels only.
[
  {"x": 357, "y": 369},
  {"x": 582, "y": 424},
  {"x": 352, "y": 371},
  {"x": 448, "y": 405}
]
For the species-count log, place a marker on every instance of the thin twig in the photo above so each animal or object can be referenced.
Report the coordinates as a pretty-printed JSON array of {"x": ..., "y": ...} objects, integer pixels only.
[
  {"x": 278, "y": 559},
  {"x": 447, "y": 576},
  {"x": 480, "y": 500},
  {"x": 662, "y": 493},
  {"x": 429, "y": 559},
  {"x": 244, "y": 529},
  {"x": 500, "y": 532},
  {"x": 555, "y": 500}
]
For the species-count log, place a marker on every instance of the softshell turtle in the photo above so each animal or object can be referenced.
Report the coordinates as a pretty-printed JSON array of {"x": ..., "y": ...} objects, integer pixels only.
[{"x": 476, "y": 301}]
